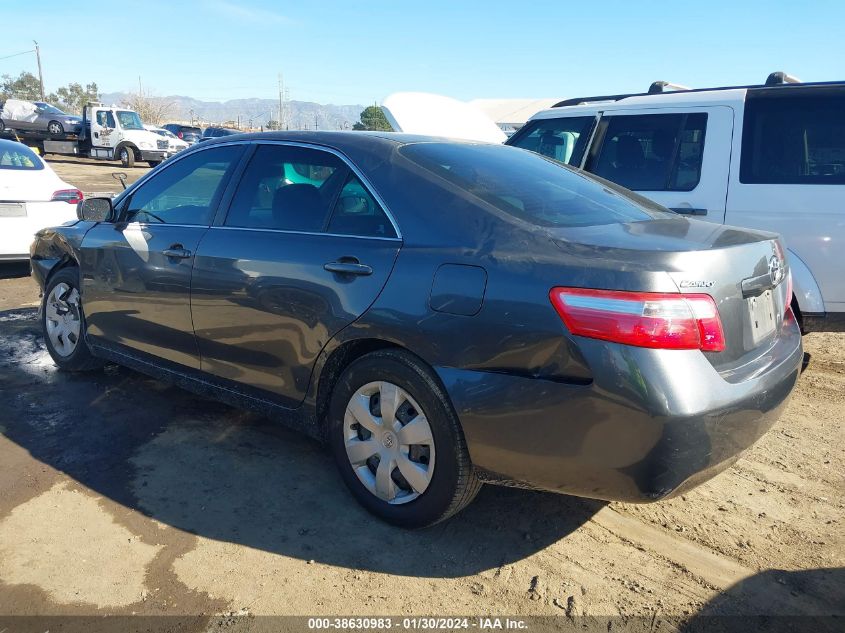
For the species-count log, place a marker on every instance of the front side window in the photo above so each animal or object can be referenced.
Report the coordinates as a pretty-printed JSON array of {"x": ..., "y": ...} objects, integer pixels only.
[
  {"x": 105, "y": 118},
  {"x": 796, "y": 136},
  {"x": 563, "y": 140},
  {"x": 652, "y": 152},
  {"x": 287, "y": 188},
  {"x": 187, "y": 191}
]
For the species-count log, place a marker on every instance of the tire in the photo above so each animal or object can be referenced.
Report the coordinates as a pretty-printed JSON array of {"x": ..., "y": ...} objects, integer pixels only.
[
  {"x": 127, "y": 156},
  {"x": 63, "y": 323},
  {"x": 2, "y": 125},
  {"x": 437, "y": 460},
  {"x": 55, "y": 128}
]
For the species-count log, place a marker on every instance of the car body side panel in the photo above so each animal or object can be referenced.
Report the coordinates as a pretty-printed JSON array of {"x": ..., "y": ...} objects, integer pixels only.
[
  {"x": 135, "y": 294},
  {"x": 264, "y": 306}
]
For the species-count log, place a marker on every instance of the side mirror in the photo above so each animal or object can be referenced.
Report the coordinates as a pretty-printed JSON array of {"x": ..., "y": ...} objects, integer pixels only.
[{"x": 95, "y": 210}]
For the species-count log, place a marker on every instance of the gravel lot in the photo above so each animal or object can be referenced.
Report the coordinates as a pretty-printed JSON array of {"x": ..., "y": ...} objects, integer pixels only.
[{"x": 123, "y": 495}]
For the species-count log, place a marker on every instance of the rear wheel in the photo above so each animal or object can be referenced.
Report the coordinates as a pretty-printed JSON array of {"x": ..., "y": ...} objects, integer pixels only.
[
  {"x": 126, "y": 156},
  {"x": 64, "y": 323},
  {"x": 55, "y": 128},
  {"x": 2, "y": 125},
  {"x": 397, "y": 443}
]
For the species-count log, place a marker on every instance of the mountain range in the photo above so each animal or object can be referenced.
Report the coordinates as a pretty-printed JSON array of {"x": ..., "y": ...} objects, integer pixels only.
[{"x": 298, "y": 115}]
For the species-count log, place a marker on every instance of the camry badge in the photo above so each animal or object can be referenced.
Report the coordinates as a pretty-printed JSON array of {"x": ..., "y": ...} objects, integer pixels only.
[
  {"x": 776, "y": 271},
  {"x": 696, "y": 283}
]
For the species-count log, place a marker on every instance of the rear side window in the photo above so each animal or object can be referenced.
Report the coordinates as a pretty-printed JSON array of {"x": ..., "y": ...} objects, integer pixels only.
[
  {"x": 561, "y": 139},
  {"x": 18, "y": 157},
  {"x": 287, "y": 188},
  {"x": 528, "y": 186},
  {"x": 356, "y": 212},
  {"x": 652, "y": 152},
  {"x": 795, "y": 136}
]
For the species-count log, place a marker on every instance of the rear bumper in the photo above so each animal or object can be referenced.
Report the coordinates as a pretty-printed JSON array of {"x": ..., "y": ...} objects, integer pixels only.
[{"x": 653, "y": 424}]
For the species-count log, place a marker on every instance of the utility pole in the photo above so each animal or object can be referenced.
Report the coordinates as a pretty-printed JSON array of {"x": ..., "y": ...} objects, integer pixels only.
[
  {"x": 140, "y": 90},
  {"x": 281, "y": 97},
  {"x": 40, "y": 76}
]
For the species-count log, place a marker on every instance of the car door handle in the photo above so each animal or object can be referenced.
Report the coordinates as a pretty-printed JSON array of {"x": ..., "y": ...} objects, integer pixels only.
[
  {"x": 348, "y": 268},
  {"x": 176, "y": 252},
  {"x": 688, "y": 211}
]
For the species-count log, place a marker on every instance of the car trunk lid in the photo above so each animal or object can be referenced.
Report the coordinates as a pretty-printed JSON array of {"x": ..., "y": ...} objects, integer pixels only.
[{"x": 744, "y": 271}]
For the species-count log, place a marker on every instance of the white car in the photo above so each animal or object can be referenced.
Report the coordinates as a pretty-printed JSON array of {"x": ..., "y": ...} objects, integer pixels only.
[
  {"x": 175, "y": 143},
  {"x": 32, "y": 197},
  {"x": 768, "y": 157}
]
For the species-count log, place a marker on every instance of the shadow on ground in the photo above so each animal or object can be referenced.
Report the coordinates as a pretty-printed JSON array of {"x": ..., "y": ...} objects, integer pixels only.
[
  {"x": 200, "y": 466},
  {"x": 777, "y": 601}
]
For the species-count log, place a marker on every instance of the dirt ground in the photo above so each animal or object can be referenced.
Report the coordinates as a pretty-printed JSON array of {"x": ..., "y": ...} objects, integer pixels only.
[{"x": 122, "y": 495}]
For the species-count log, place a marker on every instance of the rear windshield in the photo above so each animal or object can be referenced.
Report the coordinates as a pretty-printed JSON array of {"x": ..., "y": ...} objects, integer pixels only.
[
  {"x": 19, "y": 157},
  {"x": 530, "y": 187},
  {"x": 191, "y": 130}
]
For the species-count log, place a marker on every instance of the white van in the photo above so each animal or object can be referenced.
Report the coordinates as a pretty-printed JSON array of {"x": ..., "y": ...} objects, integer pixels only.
[{"x": 770, "y": 157}]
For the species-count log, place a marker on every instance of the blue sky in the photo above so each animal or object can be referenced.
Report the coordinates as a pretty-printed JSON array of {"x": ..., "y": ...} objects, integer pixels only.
[{"x": 359, "y": 52}]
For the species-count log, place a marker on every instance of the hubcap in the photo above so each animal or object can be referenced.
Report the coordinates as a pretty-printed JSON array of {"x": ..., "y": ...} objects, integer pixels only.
[
  {"x": 389, "y": 442},
  {"x": 63, "y": 318}
]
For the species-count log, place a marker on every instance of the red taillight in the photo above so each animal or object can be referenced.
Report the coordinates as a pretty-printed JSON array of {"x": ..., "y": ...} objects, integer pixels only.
[
  {"x": 179, "y": 134},
  {"x": 789, "y": 290},
  {"x": 643, "y": 319},
  {"x": 71, "y": 196}
]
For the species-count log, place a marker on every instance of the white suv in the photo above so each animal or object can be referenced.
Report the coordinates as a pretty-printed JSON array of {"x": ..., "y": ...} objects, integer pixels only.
[{"x": 770, "y": 157}]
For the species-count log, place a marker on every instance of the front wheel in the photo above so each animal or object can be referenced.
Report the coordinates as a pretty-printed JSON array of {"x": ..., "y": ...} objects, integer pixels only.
[
  {"x": 63, "y": 323},
  {"x": 397, "y": 442},
  {"x": 55, "y": 128},
  {"x": 126, "y": 156}
]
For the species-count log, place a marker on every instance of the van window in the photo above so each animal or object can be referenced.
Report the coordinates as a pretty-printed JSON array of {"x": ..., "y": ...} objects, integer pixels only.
[
  {"x": 562, "y": 139},
  {"x": 796, "y": 136},
  {"x": 652, "y": 152}
]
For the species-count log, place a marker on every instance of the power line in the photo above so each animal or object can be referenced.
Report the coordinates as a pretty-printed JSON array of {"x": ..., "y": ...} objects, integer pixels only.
[{"x": 16, "y": 54}]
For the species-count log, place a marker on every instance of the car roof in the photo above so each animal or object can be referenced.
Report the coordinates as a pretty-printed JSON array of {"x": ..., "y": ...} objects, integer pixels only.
[
  {"x": 335, "y": 139},
  {"x": 698, "y": 96}
]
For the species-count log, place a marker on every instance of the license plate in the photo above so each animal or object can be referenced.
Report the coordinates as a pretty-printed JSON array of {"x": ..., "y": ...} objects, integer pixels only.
[
  {"x": 12, "y": 210},
  {"x": 761, "y": 310}
]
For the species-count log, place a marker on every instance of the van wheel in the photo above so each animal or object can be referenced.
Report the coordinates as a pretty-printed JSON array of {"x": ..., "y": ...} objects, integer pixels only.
[
  {"x": 55, "y": 128},
  {"x": 2, "y": 125},
  {"x": 397, "y": 442},
  {"x": 126, "y": 156},
  {"x": 63, "y": 323}
]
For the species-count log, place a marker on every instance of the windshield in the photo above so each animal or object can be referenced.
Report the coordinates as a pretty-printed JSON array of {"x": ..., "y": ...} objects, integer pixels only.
[
  {"x": 129, "y": 120},
  {"x": 47, "y": 108},
  {"x": 530, "y": 187},
  {"x": 17, "y": 156}
]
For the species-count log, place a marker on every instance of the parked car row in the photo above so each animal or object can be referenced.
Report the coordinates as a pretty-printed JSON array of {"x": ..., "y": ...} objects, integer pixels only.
[{"x": 191, "y": 134}]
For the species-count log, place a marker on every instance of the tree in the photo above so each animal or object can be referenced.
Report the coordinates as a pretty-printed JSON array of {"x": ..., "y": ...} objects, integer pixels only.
[
  {"x": 26, "y": 87},
  {"x": 73, "y": 97},
  {"x": 152, "y": 110},
  {"x": 372, "y": 118},
  {"x": 273, "y": 125}
]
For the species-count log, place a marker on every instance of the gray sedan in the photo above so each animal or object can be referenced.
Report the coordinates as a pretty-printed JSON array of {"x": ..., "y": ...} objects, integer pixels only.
[
  {"x": 48, "y": 119},
  {"x": 441, "y": 314}
]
